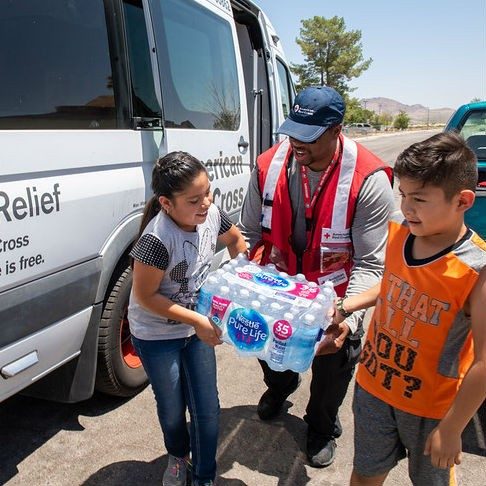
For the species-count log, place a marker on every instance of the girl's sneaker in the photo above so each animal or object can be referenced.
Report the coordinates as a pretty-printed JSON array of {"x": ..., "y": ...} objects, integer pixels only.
[{"x": 176, "y": 472}]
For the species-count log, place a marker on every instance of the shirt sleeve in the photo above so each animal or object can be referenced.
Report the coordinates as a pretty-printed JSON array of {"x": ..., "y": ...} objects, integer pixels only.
[
  {"x": 151, "y": 251},
  {"x": 226, "y": 223},
  {"x": 251, "y": 212},
  {"x": 369, "y": 233}
]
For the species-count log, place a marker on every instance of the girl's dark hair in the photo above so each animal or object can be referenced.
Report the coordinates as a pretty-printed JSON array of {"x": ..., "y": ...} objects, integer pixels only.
[
  {"x": 171, "y": 174},
  {"x": 443, "y": 160}
]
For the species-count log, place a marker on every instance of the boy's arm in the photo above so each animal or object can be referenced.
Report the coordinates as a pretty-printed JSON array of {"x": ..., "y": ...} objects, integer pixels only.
[
  {"x": 336, "y": 333},
  {"x": 444, "y": 442},
  {"x": 357, "y": 302},
  {"x": 369, "y": 231}
]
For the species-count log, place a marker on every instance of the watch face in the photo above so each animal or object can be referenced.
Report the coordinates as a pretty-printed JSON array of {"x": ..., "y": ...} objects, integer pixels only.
[{"x": 341, "y": 309}]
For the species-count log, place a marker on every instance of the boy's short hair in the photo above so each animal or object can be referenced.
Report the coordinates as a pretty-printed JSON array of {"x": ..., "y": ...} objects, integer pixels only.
[{"x": 443, "y": 160}]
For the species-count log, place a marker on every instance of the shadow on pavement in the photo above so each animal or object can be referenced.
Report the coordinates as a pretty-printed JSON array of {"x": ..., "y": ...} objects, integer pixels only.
[
  {"x": 247, "y": 445},
  {"x": 27, "y": 423}
]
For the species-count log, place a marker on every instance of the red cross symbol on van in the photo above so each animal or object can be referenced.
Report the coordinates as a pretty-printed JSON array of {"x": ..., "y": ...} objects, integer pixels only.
[{"x": 327, "y": 235}]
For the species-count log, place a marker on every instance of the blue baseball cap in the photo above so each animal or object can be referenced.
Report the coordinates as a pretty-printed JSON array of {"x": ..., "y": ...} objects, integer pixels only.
[{"x": 315, "y": 110}]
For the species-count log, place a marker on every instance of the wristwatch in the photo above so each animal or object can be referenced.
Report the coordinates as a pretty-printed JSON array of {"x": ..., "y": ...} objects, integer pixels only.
[{"x": 341, "y": 309}]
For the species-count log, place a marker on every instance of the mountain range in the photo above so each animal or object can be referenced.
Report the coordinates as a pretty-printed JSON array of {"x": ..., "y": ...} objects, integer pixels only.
[{"x": 417, "y": 113}]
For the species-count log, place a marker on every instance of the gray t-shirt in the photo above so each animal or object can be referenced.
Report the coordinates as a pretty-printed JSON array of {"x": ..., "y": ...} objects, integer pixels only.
[
  {"x": 186, "y": 258},
  {"x": 369, "y": 228}
]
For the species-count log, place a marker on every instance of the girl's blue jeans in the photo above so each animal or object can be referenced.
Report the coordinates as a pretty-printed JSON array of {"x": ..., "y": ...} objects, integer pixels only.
[{"x": 182, "y": 373}]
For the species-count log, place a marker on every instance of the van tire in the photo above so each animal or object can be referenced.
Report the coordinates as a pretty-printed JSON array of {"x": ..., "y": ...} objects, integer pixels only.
[{"x": 119, "y": 372}]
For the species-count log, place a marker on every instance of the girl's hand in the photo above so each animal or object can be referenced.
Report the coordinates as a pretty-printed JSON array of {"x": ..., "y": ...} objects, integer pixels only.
[{"x": 207, "y": 331}]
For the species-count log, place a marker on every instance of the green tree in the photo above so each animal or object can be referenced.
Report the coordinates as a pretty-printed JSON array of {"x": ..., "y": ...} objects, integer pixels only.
[
  {"x": 401, "y": 121},
  {"x": 385, "y": 119},
  {"x": 355, "y": 113},
  {"x": 333, "y": 56}
]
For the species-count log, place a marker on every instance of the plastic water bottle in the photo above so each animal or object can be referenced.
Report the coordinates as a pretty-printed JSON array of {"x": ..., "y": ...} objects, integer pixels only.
[
  {"x": 279, "y": 349},
  {"x": 327, "y": 297},
  {"x": 241, "y": 258},
  {"x": 271, "y": 268},
  {"x": 300, "y": 277},
  {"x": 277, "y": 310},
  {"x": 303, "y": 343},
  {"x": 244, "y": 298},
  {"x": 227, "y": 267},
  {"x": 256, "y": 305},
  {"x": 206, "y": 293},
  {"x": 219, "y": 304}
]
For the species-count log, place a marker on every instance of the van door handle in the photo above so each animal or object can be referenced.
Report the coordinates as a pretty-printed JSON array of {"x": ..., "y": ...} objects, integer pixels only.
[
  {"x": 242, "y": 143},
  {"x": 21, "y": 364}
]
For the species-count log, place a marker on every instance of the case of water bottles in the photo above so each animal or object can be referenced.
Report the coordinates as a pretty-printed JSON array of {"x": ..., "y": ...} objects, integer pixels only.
[{"x": 266, "y": 313}]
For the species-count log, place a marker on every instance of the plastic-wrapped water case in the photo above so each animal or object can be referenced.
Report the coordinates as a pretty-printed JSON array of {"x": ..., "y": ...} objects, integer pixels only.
[{"x": 267, "y": 314}]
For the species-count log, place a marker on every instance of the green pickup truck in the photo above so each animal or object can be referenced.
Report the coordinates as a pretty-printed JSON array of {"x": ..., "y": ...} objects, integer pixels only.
[{"x": 470, "y": 121}]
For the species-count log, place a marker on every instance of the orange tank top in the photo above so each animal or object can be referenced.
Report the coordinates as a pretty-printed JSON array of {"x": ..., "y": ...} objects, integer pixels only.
[{"x": 419, "y": 345}]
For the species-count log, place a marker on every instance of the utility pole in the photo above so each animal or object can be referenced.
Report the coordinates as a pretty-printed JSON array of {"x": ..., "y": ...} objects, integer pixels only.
[{"x": 428, "y": 116}]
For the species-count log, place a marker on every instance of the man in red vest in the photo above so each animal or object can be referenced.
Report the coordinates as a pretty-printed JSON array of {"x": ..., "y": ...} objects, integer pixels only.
[{"x": 318, "y": 204}]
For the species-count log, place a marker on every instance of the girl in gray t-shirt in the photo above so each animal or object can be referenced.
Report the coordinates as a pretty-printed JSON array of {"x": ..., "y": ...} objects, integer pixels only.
[{"x": 180, "y": 229}]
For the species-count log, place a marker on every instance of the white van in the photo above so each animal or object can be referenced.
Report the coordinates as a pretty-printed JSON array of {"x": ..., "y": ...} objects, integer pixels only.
[{"x": 91, "y": 93}]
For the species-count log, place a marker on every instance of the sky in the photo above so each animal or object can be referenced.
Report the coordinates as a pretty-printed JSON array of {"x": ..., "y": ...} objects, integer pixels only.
[{"x": 428, "y": 52}]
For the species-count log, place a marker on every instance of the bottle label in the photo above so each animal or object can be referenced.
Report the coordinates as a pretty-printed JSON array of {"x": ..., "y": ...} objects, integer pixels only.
[
  {"x": 247, "y": 329},
  {"x": 277, "y": 351},
  {"x": 273, "y": 286},
  {"x": 282, "y": 329},
  {"x": 218, "y": 309}
]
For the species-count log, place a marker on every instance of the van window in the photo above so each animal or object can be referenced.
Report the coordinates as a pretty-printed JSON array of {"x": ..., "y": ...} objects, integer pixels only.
[
  {"x": 197, "y": 64},
  {"x": 286, "y": 95},
  {"x": 144, "y": 100},
  {"x": 55, "y": 65}
]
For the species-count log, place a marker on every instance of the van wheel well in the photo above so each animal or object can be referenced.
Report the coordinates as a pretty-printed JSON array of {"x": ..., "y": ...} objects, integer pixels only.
[{"x": 119, "y": 370}]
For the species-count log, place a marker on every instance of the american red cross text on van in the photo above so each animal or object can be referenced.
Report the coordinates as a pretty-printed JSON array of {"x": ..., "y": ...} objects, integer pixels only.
[
  {"x": 220, "y": 168},
  {"x": 31, "y": 205}
]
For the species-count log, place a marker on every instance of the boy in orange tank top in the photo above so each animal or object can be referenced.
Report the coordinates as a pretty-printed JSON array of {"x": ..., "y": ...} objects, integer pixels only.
[{"x": 422, "y": 372}]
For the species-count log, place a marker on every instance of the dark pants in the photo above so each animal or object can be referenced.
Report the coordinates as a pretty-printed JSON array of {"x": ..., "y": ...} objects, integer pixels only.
[{"x": 331, "y": 375}]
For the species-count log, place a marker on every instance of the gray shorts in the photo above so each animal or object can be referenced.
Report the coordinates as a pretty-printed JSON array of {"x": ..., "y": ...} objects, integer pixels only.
[{"x": 383, "y": 435}]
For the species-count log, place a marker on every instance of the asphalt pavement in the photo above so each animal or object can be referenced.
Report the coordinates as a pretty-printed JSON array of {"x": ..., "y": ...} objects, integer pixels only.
[{"x": 110, "y": 442}]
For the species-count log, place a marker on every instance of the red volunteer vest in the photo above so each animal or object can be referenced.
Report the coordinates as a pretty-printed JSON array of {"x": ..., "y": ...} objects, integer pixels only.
[{"x": 329, "y": 251}]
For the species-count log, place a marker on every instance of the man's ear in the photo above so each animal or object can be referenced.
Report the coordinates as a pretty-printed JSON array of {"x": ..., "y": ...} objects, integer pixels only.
[
  {"x": 466, "y": 199},
  {"x": 336, "y": 130}
]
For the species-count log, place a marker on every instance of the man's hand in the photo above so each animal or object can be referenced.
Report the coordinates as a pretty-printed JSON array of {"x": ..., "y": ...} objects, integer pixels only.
[
  {"x": 207, "y": 331},
  {"x": 444, "y": 448},
  {"x": 333, "y": 339}
]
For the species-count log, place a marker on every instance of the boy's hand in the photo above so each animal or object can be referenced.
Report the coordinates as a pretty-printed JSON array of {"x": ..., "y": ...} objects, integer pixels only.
[
  {"x": 444, "y": 448},
  {"x": 207, "y": 331},
  {"x": 334, "y": 337}
]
